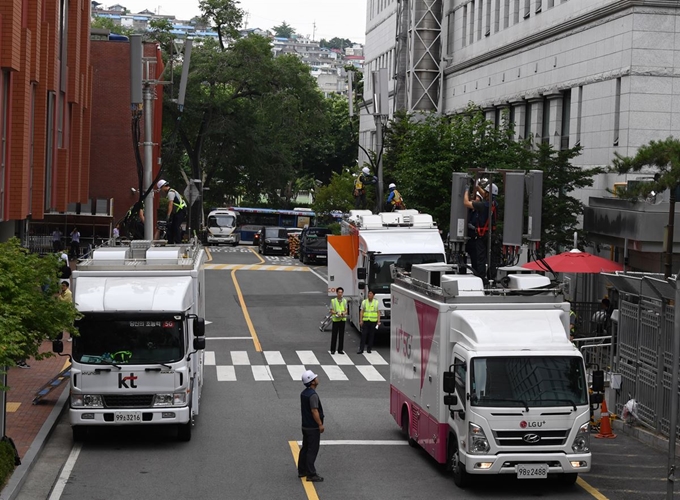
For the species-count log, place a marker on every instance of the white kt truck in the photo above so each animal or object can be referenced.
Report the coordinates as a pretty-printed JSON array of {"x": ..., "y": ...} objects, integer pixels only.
[
  {"x": 138, "y": 358},
  {"x": 487, "y": 381},
  {"x": 361, "y": 258}
]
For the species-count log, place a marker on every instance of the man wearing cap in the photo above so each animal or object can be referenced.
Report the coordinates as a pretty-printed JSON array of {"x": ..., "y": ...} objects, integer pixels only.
[
  {"x": 312, "y": 427},
  {"x": 177, "y": 209},
  {"x": 477, "y": 244}
]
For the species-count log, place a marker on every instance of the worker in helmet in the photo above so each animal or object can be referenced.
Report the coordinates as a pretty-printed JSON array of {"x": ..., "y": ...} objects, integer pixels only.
[
  {"x": 312, "y": 427},
  {"x": 394, "y": 199},
  {"x": 177, "y": 209},
  {"x": 363, "y": 179},
  {"x": 484, "y": 218}
]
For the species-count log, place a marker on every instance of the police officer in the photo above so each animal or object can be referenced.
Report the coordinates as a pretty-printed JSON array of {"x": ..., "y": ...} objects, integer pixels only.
[
  {"x": 369, "y": 321},
  {"x": 177, "y": 209},
  {"x": 312, "y": 427}
]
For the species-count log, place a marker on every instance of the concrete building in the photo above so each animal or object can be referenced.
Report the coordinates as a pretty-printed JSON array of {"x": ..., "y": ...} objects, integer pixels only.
[
  {"x": 604, "y": 74},
  {"x": 45, "y": 110}
]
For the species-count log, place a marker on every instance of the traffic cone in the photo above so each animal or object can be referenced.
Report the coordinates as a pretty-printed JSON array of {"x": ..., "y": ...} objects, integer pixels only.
[{"x": 605, "y": 424}]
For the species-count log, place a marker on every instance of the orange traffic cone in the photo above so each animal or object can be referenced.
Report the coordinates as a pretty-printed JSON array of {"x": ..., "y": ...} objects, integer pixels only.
[{"x": 605, "y": 424}]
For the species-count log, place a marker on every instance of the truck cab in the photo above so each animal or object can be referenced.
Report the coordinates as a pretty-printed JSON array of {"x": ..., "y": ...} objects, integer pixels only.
[{"x": 223, "y": 227}]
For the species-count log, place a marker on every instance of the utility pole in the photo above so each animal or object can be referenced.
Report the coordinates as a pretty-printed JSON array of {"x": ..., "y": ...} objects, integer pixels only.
[
  {"x": 380, "y": 115},
  {"x": 149, "y": 96},
  {"x": 672, "y": 433},
  {"x": 313, "y": 30}
]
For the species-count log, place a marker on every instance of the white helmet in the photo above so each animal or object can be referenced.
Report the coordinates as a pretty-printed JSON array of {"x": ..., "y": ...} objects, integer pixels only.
[
  {"x": 493, "y": 188},
  {"x": 392, "y": 185},
  {"x": 161, "y": 183},
  {"x": 366, "y": 170},
  {"x": 308, "y": 376}
]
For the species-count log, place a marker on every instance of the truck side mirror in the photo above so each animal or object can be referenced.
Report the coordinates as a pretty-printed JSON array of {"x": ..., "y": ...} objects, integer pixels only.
[
  {"x": 199, "y": 343},
  {"x": 361, "y": 273},
  {"x": 598, "y": 381},
  {"x": 59, "y": 336},
  {"x": 57, "y": 346},
  {"x": 199, "y": 327},
  {"x": 361, "y": 285},
  {"x": 449, "y": 382},
  {"x": 450, "y": 400}
]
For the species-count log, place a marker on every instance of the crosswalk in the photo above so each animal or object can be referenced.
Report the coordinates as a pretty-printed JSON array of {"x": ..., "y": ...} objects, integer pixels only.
[{"x": 271, "y": 365}]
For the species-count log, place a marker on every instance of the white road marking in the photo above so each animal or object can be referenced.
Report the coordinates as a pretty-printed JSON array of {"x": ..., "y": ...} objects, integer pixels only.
[
  {"x": 342, "y": 359},
  {"x": 229, "y": 338},
  {"x": 209, "y": 358},
  {"x": 226, "y": 373},
  {"x": 59, "y": 486},
  {"x": 334, "y": 372},
  {"x": 317, "y": 275},
  {"x": 307, "y": 358},
  {"x": 375, "y": 359},
  {"x": 239, "y": 358},
  {"x": 314, "y": 291},
  {"x": 274, "y": 358},
  {"x": 296, "y": 371},
  {"x": 208, "y": 322},
  {"x": 370, "y": 373},
  {"x": 356, "y": 442},
  {"x": 261, "y": 372}
]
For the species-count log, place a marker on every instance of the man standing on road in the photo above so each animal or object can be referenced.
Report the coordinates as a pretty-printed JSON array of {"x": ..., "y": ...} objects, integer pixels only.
[
  {"x": 312, "y": 427},
  {"x": 369, "y": 321},
  {"x": 339, "y": 317},
  {"x": 177, "y": 209}
]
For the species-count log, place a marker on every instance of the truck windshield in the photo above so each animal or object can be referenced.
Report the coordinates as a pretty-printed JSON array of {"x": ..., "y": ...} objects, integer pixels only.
[
  {"x": 380, "y": 278},
  {"x": 144, "y": 340},
  {"x": 533, "y": 381},
  {"x": 221, "y": 221}
]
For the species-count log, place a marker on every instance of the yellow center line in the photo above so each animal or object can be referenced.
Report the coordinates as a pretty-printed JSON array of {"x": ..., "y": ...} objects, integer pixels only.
[
  {"x": 251, "y": 328},
  {"x": 256, "y": 254},
  {"x": 594, "y": 492},
  {"x": 307, "y": 485}
]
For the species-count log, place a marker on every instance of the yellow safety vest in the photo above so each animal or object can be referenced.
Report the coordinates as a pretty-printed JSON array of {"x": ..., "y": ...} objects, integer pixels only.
[
  {"x": 339, "y": 307},
  {"x": 178, "y": 201},
  {"x": 370, "y": 310}
]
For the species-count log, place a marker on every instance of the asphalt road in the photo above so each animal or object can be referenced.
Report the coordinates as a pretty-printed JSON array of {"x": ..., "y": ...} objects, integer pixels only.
[{"x": 244, "y": 442}]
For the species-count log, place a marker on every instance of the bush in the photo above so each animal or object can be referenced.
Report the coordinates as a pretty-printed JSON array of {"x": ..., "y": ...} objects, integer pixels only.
[{"x": 7, "y": 460}]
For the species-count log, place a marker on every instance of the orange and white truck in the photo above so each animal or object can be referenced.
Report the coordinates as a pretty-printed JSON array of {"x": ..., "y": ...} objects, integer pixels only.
[{"x": 487, "y": 381}]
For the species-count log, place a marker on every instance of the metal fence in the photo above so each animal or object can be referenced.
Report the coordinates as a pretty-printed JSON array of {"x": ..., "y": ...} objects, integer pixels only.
[{"x": 643, "y": 340}]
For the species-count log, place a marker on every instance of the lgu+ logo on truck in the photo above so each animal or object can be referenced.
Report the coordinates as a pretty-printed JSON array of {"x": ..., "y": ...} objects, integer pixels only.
[
  {"x": 123, "y": 381},
  {"x": 531, "y": 424}
]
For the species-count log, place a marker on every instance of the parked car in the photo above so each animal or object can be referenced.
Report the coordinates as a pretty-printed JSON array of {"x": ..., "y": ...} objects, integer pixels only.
[
  {"x": 256, "y": 238},
  {"x": 313, "y": 245},
  {"x": 273, "y": 239}
]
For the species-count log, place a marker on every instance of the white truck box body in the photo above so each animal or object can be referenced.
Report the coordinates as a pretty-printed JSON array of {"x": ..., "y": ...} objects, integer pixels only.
[
  {"x": 358, "y": 246},
  {"x": 156, "y": 292},
  {"x": 430, "y": 333}
]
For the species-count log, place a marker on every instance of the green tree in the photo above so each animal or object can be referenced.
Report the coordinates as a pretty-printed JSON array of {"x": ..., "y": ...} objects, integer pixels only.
[
  {"x": 284, "y": 30},
  {"x": 224, "y": 16},
  {"x": 337, "y": 195},
  {"x": 662, "y": 158},
  {"x": 336, "y": 43},
  {"x": 160, "y": 31},
  {"x": 106, "y": 23},
  {"x": 29, "y": 310}
]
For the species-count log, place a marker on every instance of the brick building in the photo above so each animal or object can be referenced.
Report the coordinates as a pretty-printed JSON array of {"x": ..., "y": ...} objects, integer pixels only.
[{"x": 45, "y": 104}]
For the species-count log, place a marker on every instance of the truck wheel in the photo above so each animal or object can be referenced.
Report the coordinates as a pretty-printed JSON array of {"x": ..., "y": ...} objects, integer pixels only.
[
  {"x": 305, "y": 260},
  {"x": 567, "y": 479},
  {"x": 405, "y": 426},
  {"x": 460, "y": 476},
  {"x": 79, "y": 433},
  {"x": 184, "y": 431}
]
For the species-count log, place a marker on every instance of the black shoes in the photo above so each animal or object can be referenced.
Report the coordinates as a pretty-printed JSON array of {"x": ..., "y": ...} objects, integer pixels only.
[
  {"x": 360, "y": 352},
  {"x": 341, "y": 352},
  {"x": 368, "y": 351},
  {"x": 332, "y": 352},
  {"x": 315, "y": 478}
]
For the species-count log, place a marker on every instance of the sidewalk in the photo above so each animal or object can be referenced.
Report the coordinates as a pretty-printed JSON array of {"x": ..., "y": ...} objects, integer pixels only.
[{"x": 27, "y": 424}]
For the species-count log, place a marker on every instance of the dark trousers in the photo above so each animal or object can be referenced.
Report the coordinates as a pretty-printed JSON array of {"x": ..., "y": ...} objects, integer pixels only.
[
  {"x": 75, "y": 248},
  {"x": 360, "y": 201},
  {"x": 338, "y": 336},
  {"x": 477, "y": 250},
  {"x": 174, "y": 230},
  {"x": 367, "y": 335},
  {"x": 311, "y": 440}
]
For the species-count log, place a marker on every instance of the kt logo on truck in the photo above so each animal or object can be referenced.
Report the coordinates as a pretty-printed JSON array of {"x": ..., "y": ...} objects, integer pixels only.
[{"x": 122, "y": 381}]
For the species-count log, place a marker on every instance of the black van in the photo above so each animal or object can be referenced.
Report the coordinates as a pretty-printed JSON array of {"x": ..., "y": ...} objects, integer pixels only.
[{"x": 313, "y": 245}]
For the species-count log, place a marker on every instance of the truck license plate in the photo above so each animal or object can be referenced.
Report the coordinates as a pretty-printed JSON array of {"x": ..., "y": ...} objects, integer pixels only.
[
  {"x": 532, "y": 471},
  {"x": 132, "y": 416}
]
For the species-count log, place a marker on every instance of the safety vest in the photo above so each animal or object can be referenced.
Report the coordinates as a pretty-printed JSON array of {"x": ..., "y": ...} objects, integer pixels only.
[
  {"x": 370, "y": 310},
  {"x": 396, "y": 198},
  {"x": 339, "y": 307},
  {"x": 178, "y": 201},
  {"x": 359, "y": 182}
]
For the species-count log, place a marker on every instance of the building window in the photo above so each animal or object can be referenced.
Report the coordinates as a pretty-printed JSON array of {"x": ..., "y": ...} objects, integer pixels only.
[
  {"x": 551, "y": 3},
  {"x": 506, "y": 13},
  {"x": 49, "y": 150},
  {"x": 479, "y": 20},
  {"x": 511, "y": 118},
  {"x": 464, "y": 26},
  {"x": 497, "y": 16},
  {"x": 472, "y": 21},
  {"x": 4, "y": 125},
  {"x": 487, "y": 31},
  {"x": 538, "y": 6},
  {"x": 515, "y": 13},
  {"x": 450, "y": 33},
  {"x": 527, "y": 121},
  {"x": 566, "y": 119},
  {"x": 617, "y": 111},
  {"x": 579, "y": 114},
  {"x": 527, "y": 9},
  {"x": 31, "y": 147},
  {"x": 545, "y": 121}
]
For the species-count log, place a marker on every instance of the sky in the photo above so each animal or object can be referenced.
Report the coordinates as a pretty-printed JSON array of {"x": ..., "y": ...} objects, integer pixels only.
[{"x": 333, "y": 18}]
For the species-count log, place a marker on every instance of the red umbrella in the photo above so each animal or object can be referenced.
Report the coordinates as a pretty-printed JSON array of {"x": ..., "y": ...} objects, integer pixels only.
[{"x": 575, "y": 261}]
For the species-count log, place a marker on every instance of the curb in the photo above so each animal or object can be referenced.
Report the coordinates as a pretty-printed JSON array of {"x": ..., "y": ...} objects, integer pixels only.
[
  {"x": 645, "y": 436},
  {"x": 18, "y": 477}
]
